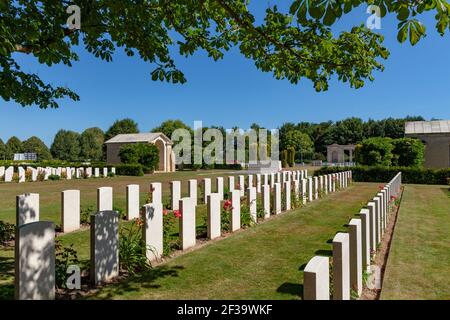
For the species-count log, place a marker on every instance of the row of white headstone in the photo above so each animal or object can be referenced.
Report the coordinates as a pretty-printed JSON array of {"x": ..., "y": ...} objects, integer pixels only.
[
  {"x": 352, "y": 251},
  {"x": 7, "y": 174},
  {"x": 35, "y": 276}
]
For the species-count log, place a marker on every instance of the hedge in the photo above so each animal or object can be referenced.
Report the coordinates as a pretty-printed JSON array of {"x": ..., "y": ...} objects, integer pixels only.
[
  {"x": 385, "y": 174},
  {"x": 129, "y": 170}
]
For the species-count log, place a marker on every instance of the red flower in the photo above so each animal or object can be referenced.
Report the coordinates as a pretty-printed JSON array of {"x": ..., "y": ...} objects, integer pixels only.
[
  {"x": 381, "y": 187},
  {"x": 139, "y": 222},
  {"x": 393, "y": 197},
  {"x": 227, "y": 205},
  {"x": 177, "y": 213}
]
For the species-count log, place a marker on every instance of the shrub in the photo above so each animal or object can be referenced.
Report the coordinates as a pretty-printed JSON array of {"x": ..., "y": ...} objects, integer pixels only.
[
  {"x": 170, "y": 219},
  {"x": 111, "y": 174},
  {"x": 53, "y": 177},
  {"x": 15, "y": 177},
  {"x": 28, "y": 175},
  {"x": 41, "y": 176},
  {"x": 375, "y": 151},
  {"x": 225, "y": 216},
  {"x": 246, "y": 219},
  {"x": 132, "y": 249},
  {"x": 284, "y": 156},
  {"x": 64, "y": 175},
  {"x": 7, "y": 231},
  {"x": 408, "y": 152},
  {"x": 64, "y": 257},
  {"x": 130, "y": 170},
  {"x": 385, "y": 174},
  {"x": 85, "y": 214},
  {"x": 291, "y": 157},
  {"x": 140, "y": 153}
]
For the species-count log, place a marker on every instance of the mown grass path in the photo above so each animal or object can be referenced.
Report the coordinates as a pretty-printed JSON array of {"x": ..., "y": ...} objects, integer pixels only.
[
  {"x": 419, "y": 261},
  {"x": 263, "y": 262}
]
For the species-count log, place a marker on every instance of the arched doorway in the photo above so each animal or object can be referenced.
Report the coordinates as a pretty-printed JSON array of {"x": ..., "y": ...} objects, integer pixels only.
[
  {"x": 335, "y": 157},
  {"x": 162, "y": 155}
]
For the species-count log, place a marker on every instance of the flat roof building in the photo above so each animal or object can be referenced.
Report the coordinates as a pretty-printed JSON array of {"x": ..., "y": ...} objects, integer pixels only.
[{"x": 436, "y": 137}]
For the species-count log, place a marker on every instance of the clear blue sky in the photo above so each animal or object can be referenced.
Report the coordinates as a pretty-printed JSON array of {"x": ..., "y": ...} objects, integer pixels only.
[{"x": 232, "y": 92}]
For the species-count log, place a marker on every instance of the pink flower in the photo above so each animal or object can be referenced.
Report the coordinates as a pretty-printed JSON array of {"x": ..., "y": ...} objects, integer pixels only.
[{"x": 165, "y": 212}]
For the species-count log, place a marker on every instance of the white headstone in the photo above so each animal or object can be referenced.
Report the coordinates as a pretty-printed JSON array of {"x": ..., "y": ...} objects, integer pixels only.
[
  {"x": 258, "y": 183},
  {"x": 266, "y": 200},
  {"x": 104, "y": 246},
  {"x": 242, "y": 185},
  {"x": 89, "y": 172},
  {"x": 105, "y": 172},
  {"x": 9, "y": 172},
  {"x": 303, "y": 191},
  {"x": 277, "y": 198},
  {"x": 365, "y": 238},
  {"x": 377, "y": 202},
  {"x": 192, "y": 189},
  {"x": 236, "y": 210},
  {"x": 97, "y": 172},
  {"x": 214, "y": 221},
  {"x": 341, "y": 267},
  {"x": 69, "y": 173},
  {"x": 104, "y": 199},
  {"x": 2, "y": 172},
  {"x": 21, "y": 172},
  {"x": 251, "y": 198},
  {"x": 153, "y": 230},
  {"x": 133, "y": 204},
  {"x": 35, "y": 261},
  {"x": 206, "y": 189},
  {"x": 287, "y": 190},
  {"x": 372, "y": 226},
  {"x": 230, "y": 183},
  {"x": 70, "y": 210},
  {"x": 316, "y": 279},
  {"x": 316, "y": 188},
  {"x": 187, "y": 223},
  {"x": 355, "y": 255},
  {"x": 175, "y": 194},
  {"x": 219, "y": 184},
  {"x": 156, "y": 191},
  {"x": 310, "y": 189}
]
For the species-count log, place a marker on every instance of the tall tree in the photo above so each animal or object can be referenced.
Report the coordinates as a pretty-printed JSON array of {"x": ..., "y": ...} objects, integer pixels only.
[
  {"x": 13, "y": 145},
  {"x": 2, "y": 150},
  {"x": 91, "y": 143},
  {"x": 169, "y": 126},
  {"x": 291, "y": 45},
  {"x": 36, "y": 145},
  {"x": 348, "y": 131},
  {"x": 66, "y": 145},
  {"x": 122, "y": 127}
]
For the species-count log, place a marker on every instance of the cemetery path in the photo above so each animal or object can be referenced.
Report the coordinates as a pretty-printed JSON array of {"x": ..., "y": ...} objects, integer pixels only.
[
  {"x": 419, "y": 259},
  {"x": 264, "y": 262}
]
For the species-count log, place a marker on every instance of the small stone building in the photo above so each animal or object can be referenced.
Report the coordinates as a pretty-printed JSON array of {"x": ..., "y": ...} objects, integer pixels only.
[
  {"x": 160, "y": 140},
  {"x": 337, "y": 153},
  {"x": 436, "y": 137}
]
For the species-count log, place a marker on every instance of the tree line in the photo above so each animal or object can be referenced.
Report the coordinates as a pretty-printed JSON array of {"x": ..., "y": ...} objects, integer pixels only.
[{"x": 307, "y": 140}]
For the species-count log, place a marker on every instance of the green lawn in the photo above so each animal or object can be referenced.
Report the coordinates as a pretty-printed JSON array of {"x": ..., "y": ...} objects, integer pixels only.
[
  {"x": 49, "y": 192},
  {"x": 264, "y": 262},
  {"x": 419, "y": 261}
]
